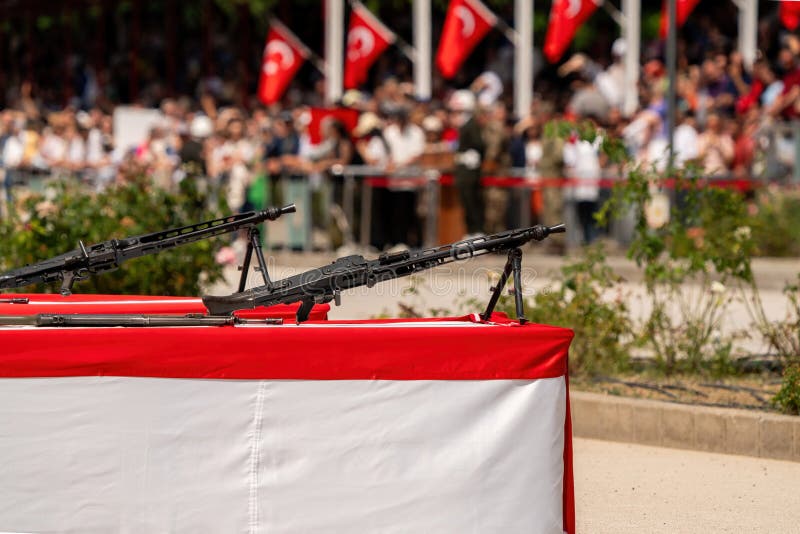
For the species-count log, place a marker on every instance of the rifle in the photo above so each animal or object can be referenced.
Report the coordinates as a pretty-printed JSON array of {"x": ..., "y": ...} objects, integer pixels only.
[
  {"x": 325, "y": 284},
  {"x": 85, "y": 261}
]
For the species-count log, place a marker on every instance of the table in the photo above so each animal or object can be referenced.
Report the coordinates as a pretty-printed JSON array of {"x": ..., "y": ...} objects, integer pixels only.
[{"x": 431, "y": 425}]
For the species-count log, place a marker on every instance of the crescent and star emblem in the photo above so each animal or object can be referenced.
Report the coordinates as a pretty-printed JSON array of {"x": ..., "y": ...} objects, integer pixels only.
[
  {"x": 279, "y": 57},
  {"x": 360, "y": 43},
  {"x": 467, "y": 20},
  {"x": 574, "y": 8}
]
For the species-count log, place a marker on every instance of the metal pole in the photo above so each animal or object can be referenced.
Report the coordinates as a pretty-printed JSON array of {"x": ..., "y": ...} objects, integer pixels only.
[
  {"x": 205, "y": 29},
  {"x": 632, "y": 31},
  {"x": 66, "y": 28},
  {"x": 243, "y": 64},
  {"x": 136, "y": 35},
  {"x": 100, "y": 47},
  {"x": 348, "y": 206},
  {"x": 672, "y": 61},
  {"x": 432, "y": 218},
  {"x": 334, "y": 49},
  {"x": 366, "y": 212},
  {"x": 422, "y": 44},
  {"x": 29, "y": 45},
  {"x": 523, "y": 57},
  {"x": 796, "y": 170},
  {"x": 748, "y": 31},
  {"x": 171, "y": 30}
]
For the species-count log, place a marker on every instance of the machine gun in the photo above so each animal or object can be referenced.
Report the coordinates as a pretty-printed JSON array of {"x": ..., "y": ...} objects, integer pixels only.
[
  {"x": 85, "y": 261},
  {"x": 325, "y": 284}
]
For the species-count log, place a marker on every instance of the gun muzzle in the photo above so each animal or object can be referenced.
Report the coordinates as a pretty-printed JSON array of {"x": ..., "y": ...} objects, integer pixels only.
[
  {"x": 274, "y": 213},
  {"x": 557, "y": 229}
]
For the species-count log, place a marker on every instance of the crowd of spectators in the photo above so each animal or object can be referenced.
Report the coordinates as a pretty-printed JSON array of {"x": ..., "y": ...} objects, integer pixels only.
[{"x": 724, "y": 109}]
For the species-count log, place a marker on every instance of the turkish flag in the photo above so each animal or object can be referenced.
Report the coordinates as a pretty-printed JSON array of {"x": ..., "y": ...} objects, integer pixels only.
[
  {"x": 367, "y": 38},
  {"x": 283, "y": 56},
  {"x": 466, "y": 23},
  {"x": 566, "y": 16},
  {"x": 684, "y": 8},
  {"x": 347, "y": 116},
  {"x": 790, "y": 14}
]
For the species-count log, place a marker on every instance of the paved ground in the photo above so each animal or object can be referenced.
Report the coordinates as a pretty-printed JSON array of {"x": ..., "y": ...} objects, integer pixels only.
[{"x": 624, "y": 488}]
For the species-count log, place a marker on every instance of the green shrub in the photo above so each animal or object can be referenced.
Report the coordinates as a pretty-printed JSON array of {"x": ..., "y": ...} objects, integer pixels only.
[
  {"x": 45, "y": 225},
  {"x": 783, "y": 336},
  {"x": 775, "y": 219},
  {"x": 579, "y": 299},
  {"x": 788, "y": 398}
]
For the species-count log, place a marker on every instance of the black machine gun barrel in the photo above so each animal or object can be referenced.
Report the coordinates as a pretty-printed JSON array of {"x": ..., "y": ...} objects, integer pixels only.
[
  {"x": 325, "y": 284},
  {"x": 86, "y": 261}
]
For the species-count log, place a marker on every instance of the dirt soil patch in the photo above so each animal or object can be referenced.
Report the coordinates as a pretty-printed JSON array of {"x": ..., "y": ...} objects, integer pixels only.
[{"x": 753, "y": 392}]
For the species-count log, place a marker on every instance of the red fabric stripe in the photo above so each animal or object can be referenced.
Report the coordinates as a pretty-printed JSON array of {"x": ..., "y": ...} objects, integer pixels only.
[
  {"x": 312, "y": 351},
  {"x": 740, "y": 184},
  {"x": 569, "y": 483}
]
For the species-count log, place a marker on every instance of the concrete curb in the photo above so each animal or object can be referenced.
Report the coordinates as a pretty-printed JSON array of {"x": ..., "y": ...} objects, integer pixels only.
[{"x": 700, "y": 428}]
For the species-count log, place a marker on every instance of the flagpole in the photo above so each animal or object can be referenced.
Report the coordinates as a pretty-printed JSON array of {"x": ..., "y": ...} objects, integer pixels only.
[
  {"x": 672, "y": 60},
  {"x": 748, "y": 31},
  {"x": 334, "y": 49},
  {"x": 632, "y": 31},
  {"x": 422, "y": 46},
  {"x": 614, "y": 13},
  {"x": 509, "y": 32},
  {"x": 398, "y": 41},
  {"x": 288, "y": 34},
  {"x": 523, "y": 57}
]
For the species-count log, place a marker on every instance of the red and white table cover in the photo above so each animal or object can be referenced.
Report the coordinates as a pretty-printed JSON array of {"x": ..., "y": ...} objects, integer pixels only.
[{"x": 440, "y": 425}]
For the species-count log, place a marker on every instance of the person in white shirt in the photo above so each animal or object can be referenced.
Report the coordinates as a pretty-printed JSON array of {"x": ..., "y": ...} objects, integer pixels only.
[
  {"x": 53, "y": 148},
  {"x": 406, "y": 142},
  {"x": 686, "y": 140},
  {"x": 75, "y": 155},
  {"x": 371, "y": 145},
  {"x": 11, "y": 159},
  {"x": 715, "y": 147},
  {"x": 582, "y": 161}
]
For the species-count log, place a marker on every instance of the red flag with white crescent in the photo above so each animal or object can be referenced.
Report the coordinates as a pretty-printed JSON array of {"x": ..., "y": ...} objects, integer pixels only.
[
  {"x": 789, "y": 13},
  {"x": 683, "y": 8},
  {"x": 566, "y": 16},
  {"x": 367, "y": 38},
  {"x": 466, "y": 23},
  {"x": 347, "y": 116},
  {"x": 283, "y": 56}
]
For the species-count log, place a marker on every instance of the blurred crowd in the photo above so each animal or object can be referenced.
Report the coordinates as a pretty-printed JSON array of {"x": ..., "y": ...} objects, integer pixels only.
[{"x": 727, "y": 116}]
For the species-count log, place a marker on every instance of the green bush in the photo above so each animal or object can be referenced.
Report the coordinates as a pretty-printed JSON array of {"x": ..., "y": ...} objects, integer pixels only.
[
  {"x": 45, "y": 225},
  {"x": 788, "y": 398},
  {"x": 775, "y": 219},
  {"x": 579, "y": 300},
  {"x": 783, "y": 336}
]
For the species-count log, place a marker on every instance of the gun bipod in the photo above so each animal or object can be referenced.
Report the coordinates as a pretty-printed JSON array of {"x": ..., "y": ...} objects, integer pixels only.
[{"x": 513, "y": 267}]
